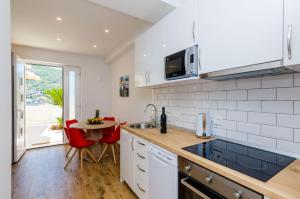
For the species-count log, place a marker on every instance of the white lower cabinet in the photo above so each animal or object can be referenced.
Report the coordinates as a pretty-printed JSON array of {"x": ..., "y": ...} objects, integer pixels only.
[{"x": 135, "y": 163}]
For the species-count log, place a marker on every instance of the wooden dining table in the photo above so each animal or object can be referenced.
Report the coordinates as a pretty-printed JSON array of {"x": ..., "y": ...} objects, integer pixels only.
[{"x": 93, "y": 132}]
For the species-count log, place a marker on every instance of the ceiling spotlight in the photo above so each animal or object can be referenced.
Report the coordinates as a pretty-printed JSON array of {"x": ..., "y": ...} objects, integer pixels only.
[
  {"x": 145, "y": 55},
  {"x": 95, "y": 46},
  {"x": 164, "y": 45},
  {"x": 58, "y": 39},
  {"x": 106, "y": 31},
  {"x": 58, "y": 18}
]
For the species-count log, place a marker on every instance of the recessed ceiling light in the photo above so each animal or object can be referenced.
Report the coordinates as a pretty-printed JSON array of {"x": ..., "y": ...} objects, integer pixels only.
[
  {"x": 164, "y": 45},
  {"x": 58, "y": 18},
  {"x": 106, "y": 30},
  {"x": 145, "y": 55},
  {"x": 58, "y": 39},
  {"x": 95, "y": 46}
]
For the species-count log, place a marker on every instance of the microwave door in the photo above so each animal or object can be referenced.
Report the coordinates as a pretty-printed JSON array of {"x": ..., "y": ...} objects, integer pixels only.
[{"x": 175, "y": 65}]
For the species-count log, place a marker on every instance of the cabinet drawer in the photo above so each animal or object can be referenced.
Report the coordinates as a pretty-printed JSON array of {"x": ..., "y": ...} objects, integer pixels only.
[
  {"x": 141, "y": 144},
  {"x": 142, "y": 160},
  {"x": 141, "y": 191},
  {"x": 141, "y": 184}
]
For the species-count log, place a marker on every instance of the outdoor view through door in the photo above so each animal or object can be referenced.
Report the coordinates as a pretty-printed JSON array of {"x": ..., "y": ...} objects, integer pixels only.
[{"x": 44, "y": 105}]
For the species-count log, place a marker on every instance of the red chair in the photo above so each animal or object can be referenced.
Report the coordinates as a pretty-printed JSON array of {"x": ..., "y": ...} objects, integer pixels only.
[
  {"x": 68, "y": 123},
  {"x": 110, "y": 140},
  {"x": 110, "y": 129},
  {"x": 78, "y": 141}
]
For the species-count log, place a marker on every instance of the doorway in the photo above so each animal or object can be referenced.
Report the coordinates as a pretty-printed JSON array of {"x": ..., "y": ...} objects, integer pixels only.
[
  {"x": 43, "y": 105},
  {"x": 51, "y": 96}
]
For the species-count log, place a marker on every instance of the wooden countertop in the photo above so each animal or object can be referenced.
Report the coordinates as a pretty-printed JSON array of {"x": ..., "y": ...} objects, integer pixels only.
[{"x": 285, "y": 185}]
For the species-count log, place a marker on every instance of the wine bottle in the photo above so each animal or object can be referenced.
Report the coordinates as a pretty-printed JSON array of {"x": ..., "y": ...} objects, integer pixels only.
[{"x": 163, "y": 121}]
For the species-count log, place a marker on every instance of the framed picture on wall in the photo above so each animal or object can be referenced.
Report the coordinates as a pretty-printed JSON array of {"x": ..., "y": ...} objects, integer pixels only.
[{"x": 124, "y": 86}]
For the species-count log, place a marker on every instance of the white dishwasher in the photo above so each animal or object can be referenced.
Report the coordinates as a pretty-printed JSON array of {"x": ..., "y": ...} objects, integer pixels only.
[{"x": 163, "y": 174}]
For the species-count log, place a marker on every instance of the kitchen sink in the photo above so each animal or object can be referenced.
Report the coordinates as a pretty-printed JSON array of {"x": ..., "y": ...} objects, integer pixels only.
[{"x": 142, "y": 126}]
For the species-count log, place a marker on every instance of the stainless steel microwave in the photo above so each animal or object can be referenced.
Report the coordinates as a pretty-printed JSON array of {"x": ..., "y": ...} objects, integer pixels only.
[{"x": 182, "y": 64}]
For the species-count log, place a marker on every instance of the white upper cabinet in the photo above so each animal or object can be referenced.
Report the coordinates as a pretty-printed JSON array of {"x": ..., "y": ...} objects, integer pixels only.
[
  {"x": 291, "y": 40},
  {"x": 181, "y": 27},
  {"x": 235, "y": 33}
]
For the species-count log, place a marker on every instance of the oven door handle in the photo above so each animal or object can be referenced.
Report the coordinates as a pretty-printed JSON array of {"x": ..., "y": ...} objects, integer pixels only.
[
  {"x": 186, "y": 61},
  {"x": 193, "y": 189}
]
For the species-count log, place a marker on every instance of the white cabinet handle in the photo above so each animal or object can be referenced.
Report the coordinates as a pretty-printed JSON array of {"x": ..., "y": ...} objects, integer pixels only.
[
  {"x": 146, "y": 78},
  {"x": 289, "y": 41},
  {"x": 148, "y": 74},
  {"x": 194, "y": 34}
]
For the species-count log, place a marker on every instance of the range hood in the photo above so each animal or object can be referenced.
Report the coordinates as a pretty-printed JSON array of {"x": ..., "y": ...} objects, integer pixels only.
[{"x": 258, "y": 70}]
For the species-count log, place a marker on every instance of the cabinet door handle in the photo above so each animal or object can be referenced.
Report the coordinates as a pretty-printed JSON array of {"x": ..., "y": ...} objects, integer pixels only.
[
  {"x": 132, "y": 144},
  {"x": 140, "y": 188},
  {"x": 139, "y": 168},
  {"x": 289, "y": 41},
  {"x": 194, "y": 34},
  {"x": 140, "y": 156},
  {"x": 148, "y": 75},
  {"x": 146, "y": 78},
  {"x": 140, "y": 143}
]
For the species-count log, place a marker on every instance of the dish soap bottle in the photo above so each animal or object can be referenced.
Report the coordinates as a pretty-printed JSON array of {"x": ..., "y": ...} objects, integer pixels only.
[{"x": 163, "y": 121}]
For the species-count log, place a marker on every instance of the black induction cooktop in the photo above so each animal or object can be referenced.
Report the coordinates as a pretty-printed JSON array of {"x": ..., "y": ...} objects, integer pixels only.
[{"x": 257, "y": 163}]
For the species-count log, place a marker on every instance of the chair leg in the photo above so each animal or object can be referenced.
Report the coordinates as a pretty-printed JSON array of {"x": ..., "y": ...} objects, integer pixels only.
[
  {"x": 69, "y": 152},
  {"x": 105, "y": 148},
  {"x": 70, "y": 159},
  {"x": 81, "y": 159},
  {"x": 113, "y": 152},
  {"x": 91, "y": 155}
]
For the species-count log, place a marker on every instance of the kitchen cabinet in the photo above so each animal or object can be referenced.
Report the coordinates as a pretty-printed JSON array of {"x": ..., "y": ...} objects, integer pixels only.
[
  {"x": 236, "y": 33},
  {"x": 135, "y": 163},
  {"x": 181, "y": 27},
  {"x": 175, "y": 32},
  {"x": 127, "y": 158},
  {"x": 141, "y": 168},
  {"x": 291, "y": 39}
]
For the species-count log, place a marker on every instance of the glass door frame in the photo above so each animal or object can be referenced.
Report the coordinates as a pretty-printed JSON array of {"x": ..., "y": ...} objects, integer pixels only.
[{"x": 65, "y": 69}]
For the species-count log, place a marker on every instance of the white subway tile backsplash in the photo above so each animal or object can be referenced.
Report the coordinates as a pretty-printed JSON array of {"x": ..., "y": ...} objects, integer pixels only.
[
  {"x": 292, "y": 121},
  {"x": 237, "y": 95},
  {"x": 262, "y": 94},
  {"x": 237, "y": 136},
  {"x": 277, "y": 81},
  {"x": 201, "y": 96},
  {"x": 297, "y": 79},
  {"x": 248, "y": 127},
  {"x": 229, "y": 125},
  {"x": 227, "y": 105},
  {"x": 179, "y": 96},
  {"x": 219, "y": 132},
  {"x": 288, "y": 146},
  {"x": 209, "y": 85},
  {"x": 277, "y": 107},
  {"x": 249, "y": 106},
  {"x": 227, "y": 85},
  {"x": 249, "y": 83},
  {"x": 262, "y": 118},
  {"x": 237, "y": 116},
  {"x": 297, "y": 135},
  {"x": 288, "y": 93},
  {"x": 217, "y": 95},
  {"x": 263, "y": 111},
  {"x": 262, "y": 141},
  {"x": 277, "y": 132},
  {"x": 297, "y": 107}
]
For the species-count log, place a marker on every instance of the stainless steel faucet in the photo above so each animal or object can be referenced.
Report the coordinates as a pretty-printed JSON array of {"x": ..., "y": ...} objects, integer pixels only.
[{"x": 153, "y": 120}]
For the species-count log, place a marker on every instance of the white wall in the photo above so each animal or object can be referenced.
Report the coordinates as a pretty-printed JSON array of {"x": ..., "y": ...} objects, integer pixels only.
[
  {"x": 5, "y": 101},
  {"x": 95, "y": 74},
  {"x": 261, "y": 111},
  {"x": 130, "y": 109}
]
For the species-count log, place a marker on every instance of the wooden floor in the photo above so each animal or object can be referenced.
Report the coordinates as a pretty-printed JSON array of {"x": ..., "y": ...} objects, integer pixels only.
[{"x": 40, "y": 175}]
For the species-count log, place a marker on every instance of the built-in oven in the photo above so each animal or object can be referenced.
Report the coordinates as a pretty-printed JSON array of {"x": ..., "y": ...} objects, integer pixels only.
[
  {"x": 182, "y": 64},
  {"x": 196, "y": 182}
]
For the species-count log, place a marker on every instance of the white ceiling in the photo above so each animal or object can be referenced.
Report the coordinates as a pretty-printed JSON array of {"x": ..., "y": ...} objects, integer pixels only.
[
  {"x": 83, "y": 23},
  {"x": 151, "y": 11}
]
